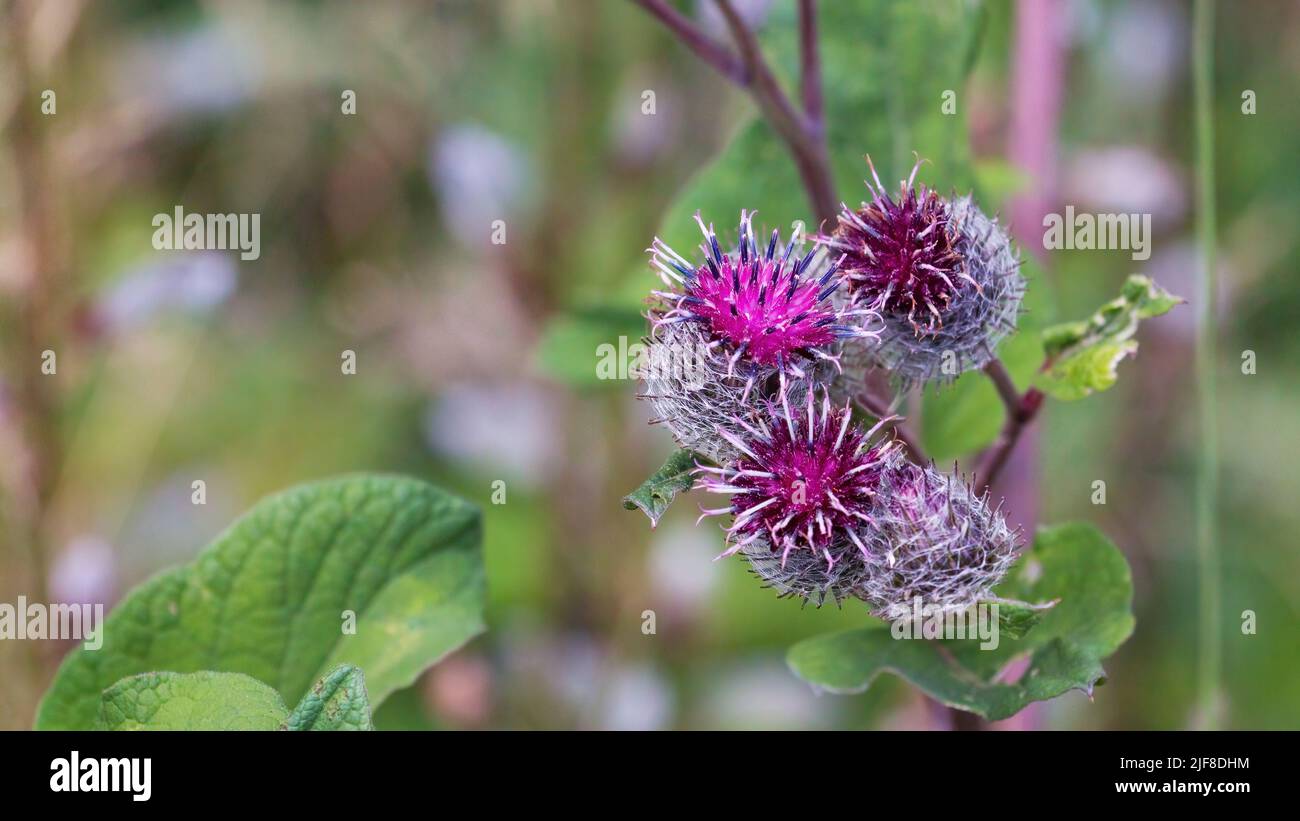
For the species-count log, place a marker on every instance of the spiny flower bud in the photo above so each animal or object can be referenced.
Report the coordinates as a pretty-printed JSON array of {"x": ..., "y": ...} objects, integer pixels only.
[
  {"x": 942, "y": 275},
  {"x": 764, "y": 312},
  {"x": 803, "y": 484},
  {"x": 935, "y": 539}
]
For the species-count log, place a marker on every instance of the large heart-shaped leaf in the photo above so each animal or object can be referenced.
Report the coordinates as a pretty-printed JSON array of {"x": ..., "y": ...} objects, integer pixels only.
[
  {"x": 381, "y": 572},
  {"x": 1074, "y": 563},
  {"x": 190, "y": 701}
]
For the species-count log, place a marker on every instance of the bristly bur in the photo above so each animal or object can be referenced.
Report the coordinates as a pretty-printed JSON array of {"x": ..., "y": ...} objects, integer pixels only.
[
  {"x": 942, "y": 276},
  {"x": 936, "y": 540},
  {"x": 804, "y": 482}
]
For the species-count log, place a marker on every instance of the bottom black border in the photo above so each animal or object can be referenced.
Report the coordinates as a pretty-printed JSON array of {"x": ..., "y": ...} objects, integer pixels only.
[{"x": 425, "y": 770}]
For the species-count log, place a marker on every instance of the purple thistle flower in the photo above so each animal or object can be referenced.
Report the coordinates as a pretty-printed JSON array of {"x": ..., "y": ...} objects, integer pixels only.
[
  {"x": 764, "y": 311},
  {"x": 942, "y": 275},
  {"x": 902, "y": 256},
  {"x": 800, "y": 483}
]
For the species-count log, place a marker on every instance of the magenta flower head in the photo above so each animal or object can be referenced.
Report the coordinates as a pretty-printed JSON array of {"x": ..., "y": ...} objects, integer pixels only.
[
  {"x": 749, "y": 315},
  {"x": 942, "y": 275},
  {"x": 934, "y": 539},
  {"x": 802, "y": 491},
  {"x": 767, "y": 311}
]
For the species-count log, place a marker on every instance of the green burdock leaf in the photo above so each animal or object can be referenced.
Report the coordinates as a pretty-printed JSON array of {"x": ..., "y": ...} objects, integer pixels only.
[
  {"x": 336, "y": 702},
  {"x": 1072, "y": 563},
  {"x": 190, "y": 701},
  {"x": 1017, "y": 618},
  {"x": 1082, "y": 356},
  {"x": 657, "y": 493},
  {"x": 382, "y": 572}
]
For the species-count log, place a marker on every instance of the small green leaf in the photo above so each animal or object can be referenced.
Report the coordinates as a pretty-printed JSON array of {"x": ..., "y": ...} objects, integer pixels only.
[
  {"x": 1082, "y": 357},
  {"x": 336, "y": 702},
  {"x": 1072, "y": 563},
  {"x": 657, "y": 493},
  {"x": 190, "y": 701},
  {"x": 383, "y": 572}
]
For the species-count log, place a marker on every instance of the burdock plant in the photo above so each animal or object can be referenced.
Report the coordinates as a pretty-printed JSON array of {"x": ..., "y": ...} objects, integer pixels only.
[
  {"x": 772, "y": 325},
  {"x": 831, "y": 496}
]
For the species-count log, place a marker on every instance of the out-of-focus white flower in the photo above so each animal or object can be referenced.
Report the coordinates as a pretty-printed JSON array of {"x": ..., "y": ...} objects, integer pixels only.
[
  {"x": 1177, "y": 266},
  {"x": 682, "y": 571},
  {"x": 762, "y": 696},
  {"x": 165, "y": 527},
  {"x": 640, "y": 136},
  {"x": 507, "y": 426},
  {"x": 84, "y": 572},
  {"x": 1126, "y": 180},
  {"x": 636, "y": 698},
  {"x": 194, "y": 282},
  {"x": 1141, "y": 50},
  {"x": 479, "y": 177},
  {"x": 208, "y": 69}
]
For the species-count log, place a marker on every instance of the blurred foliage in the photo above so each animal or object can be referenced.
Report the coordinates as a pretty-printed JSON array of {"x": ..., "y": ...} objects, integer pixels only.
[{"x": 368, "y": 245}]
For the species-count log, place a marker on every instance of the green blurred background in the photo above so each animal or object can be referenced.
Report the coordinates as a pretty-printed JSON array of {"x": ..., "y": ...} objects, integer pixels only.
[{"x": 476, "y": 362}]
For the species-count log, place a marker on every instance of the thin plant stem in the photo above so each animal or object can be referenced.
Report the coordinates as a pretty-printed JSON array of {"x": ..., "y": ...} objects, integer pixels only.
[
  {"x": 1021, "y": 410},
  {"x": 810, "y": 68},
  {"x": 1208, "y": 668},
  {"x": 995, "y": 458},
  {"x": 1004, "y": 383},
  {"x": 802, "y": 131},
  {"x": 705, "y": 47}
]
